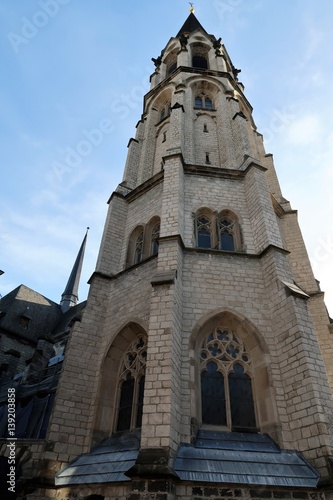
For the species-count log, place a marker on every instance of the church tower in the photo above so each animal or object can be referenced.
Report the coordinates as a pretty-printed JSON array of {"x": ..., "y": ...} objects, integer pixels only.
[{"x": 202, "y": 367}]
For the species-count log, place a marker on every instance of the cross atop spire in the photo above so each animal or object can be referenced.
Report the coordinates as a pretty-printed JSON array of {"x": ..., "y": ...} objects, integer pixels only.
[{"x": 191, "y": 8}]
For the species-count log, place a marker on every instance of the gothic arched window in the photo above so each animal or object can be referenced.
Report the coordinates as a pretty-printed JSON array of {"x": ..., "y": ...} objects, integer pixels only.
[
  {"x": 199, "y": 55},
  {"x": 229, "y": 231},
  {"x": 204, "y": 232},
  {"x": 226, "y": 234},
  {"x": 135, "y": 249},
  {"x": 202, "y": 101},
  {"x": 154, "y": 239},
  {"x": 165, "y": 111},
  {"x": 131, "y": 386},
  {"x": 138, "y": 252},
  {"x": 226, "y": 382}
]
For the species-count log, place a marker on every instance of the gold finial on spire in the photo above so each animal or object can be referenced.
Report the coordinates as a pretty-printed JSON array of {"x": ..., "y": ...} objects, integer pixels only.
[{"x": 191, "y": 8}]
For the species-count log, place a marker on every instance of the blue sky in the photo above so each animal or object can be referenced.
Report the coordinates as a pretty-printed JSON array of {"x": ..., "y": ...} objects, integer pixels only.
[{"x": 70, "y": 67}]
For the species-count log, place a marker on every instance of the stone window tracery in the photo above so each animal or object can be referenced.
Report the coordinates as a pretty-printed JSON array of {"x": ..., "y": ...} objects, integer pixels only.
[
  {"x": 220, "y": 231},
  {"x": 154, "y": 239},
  {"x": 138, "y": 249},
  {"x": 165, "y": 110},
  {"x": 131, "y": 386},
  {"x": 204, "y": 232},
  {"x": 203, "y": 101},
  {"x": 143, "y": 242},
  {"x": 199, "y": 56},
  {"x": 226, "y": 381},
  {"x": 226, "y": 234}
]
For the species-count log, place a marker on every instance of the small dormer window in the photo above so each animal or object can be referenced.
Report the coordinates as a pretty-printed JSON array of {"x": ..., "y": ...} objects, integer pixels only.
[
  {"x": 25, "y": 319},
  {"x": 24, "y": 322}
]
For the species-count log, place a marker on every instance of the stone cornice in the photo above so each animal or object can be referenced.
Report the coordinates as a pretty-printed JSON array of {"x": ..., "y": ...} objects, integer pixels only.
[
  {"x": 178, "y": 238},
  {"x": 224, "y": 173},
  {"x": 197, "y": 71},
  {"x": 144, "y": 187}
]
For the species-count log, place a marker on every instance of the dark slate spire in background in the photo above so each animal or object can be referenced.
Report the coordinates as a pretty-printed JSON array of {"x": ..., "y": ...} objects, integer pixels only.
[
  {"x": 70, "y": 296},
  {"x": 191, "y": 24}
]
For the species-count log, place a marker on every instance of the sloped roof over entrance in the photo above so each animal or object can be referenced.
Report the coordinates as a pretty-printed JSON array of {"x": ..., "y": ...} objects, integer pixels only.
[
  {"x": 107, "y": 463},
  {"x": 216, "y": 457},
  {"x": 245, "y": 459}
]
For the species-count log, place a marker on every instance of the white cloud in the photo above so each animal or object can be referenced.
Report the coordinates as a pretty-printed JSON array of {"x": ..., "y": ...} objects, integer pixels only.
[{"x": 305, "y": 130}]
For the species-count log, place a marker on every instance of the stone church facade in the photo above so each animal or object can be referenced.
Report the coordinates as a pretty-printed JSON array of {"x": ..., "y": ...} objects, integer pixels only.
[{"x": 202, "y": 367}]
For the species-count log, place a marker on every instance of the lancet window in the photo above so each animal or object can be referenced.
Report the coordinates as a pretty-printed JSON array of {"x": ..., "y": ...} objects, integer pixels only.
[
  {"x": 131, "y": 383},
  {"x": 143, "y": 242},
  {"x": 154, "y": 239},
  {"x": 226, "y": 234},
  {"x": 204, "y": 232},
  {"x": 138, "y": 249},
  {"x": 226, "y": 382}
]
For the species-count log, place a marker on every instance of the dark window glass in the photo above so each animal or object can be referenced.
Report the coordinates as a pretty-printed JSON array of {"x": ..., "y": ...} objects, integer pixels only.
[
  {"x": 241, "y": 399},
  {"x": 227, "y": 241},
  {"x": 198, "y": 102},
  {"x": 138, "y": 249},
  {"x": 204, "y": 238},
  {"x": 125, "y": 404},
  {"x": 155, "y": 247},
  {"x": 24, "y": 321},
  {"x": 172, "y": 68},
  {"x": 141, "y": 387},
  {"x": 155, "y": 237},
  {"x": 199, "y": 62},
  {"x": 208, "y": 103},
  {"x": 213, "y": 396}
]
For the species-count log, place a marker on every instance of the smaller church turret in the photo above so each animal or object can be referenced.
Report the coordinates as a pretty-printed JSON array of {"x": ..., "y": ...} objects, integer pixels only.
[{"x": 70, "y": 296}]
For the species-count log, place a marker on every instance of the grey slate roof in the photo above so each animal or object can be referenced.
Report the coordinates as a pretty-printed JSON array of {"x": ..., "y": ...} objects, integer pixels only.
[
  {"x": 43, "y": 313},
  {"x": 107, "y": 463},
  {"x": 191, "y": 24},
  {"x": 241, "y": 458}
]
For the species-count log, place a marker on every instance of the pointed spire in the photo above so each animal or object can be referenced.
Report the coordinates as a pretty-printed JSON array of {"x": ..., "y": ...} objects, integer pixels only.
[
  {"x": 70, "y": 296},
  {"x": 191, "y": 24}
]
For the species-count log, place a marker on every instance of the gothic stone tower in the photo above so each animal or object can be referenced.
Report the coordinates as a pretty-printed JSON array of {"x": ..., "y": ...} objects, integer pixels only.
[{"x": 204, "y": 353}]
